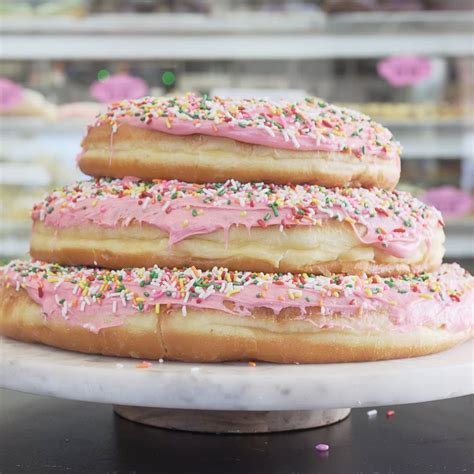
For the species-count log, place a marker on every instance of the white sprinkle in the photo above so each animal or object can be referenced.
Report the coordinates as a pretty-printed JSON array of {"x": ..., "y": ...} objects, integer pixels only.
[
  {"x": 83, "y": 305},
  {"x": 184, "y": 311},
  {"x": 160, "y": 361},
  {"x": 114, "y": 306},
  {"x": 372, "y": 413},
  {"x": 269, "y": 130},
  {"x": 166, "y": 205},
  {"x": 119, "y": 366},
  {"x": 195, "y": 369},
  {"x": 145, "y": 203},
  {"x": 295, "y": 142}
]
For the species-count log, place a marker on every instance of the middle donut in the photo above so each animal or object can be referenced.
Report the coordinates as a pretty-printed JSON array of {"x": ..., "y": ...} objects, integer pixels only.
[{"x": 257, "y": 227}]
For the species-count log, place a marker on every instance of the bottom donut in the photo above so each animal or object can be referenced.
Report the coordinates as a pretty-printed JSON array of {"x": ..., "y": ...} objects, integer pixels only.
[{"x": 217, "y": 315}]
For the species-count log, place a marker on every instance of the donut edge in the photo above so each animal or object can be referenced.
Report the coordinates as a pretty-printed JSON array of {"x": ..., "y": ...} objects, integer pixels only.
[{"x": 195, "y": 338}]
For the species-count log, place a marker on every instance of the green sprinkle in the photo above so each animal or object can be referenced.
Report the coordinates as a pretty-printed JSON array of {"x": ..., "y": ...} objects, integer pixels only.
[{"x": 274, "y": 208}]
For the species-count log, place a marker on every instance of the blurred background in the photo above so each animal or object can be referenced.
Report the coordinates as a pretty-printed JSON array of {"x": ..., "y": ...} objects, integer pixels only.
[{"x": 408, "y": 64}]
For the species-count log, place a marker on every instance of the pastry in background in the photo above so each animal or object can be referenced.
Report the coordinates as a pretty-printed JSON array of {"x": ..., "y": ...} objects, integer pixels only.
[
  {"x": 451, "y": 201},
  {"x": 17, "y": 101}
]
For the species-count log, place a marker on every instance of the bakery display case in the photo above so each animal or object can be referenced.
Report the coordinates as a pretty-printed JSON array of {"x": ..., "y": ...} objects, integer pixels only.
[{"x": 63, "y": 56}]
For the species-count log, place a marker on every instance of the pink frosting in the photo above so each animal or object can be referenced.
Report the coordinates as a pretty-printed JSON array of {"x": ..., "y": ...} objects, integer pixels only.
[
  {"x": 441, "y": 299},
  {"x": 311, "y": 124},
  {"x": 379, "y": 218}
]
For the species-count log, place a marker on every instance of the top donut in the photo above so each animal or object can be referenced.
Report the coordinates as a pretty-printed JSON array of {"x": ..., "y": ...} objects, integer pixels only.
[{"x": 202, "y": 139}]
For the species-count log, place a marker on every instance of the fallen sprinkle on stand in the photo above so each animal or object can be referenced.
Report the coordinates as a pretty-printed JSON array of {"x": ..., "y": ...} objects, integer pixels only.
[
  {"x": 252, "y": 364},
  {"x": 322, "y": 447},
  {"x": 390, "y": 413},
  {"x": 160, "y": 361},
  {"x": 119, "y": 366},
  {"x": 195, "y": 369},
  {"x": 143, "y": 365},
  {"x": 371, "y": 413}
]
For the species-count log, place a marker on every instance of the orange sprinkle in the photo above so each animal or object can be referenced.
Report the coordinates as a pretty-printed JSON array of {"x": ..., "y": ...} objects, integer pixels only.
[{"x": 143, "y": 365}]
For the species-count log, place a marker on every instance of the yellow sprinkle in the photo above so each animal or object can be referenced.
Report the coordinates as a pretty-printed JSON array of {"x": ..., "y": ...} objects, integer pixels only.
[
  {"x": 243, "y": 213},
  {"x": 157, "y": 308},
  {"x": 232, "y": 292},
  {"x": 168, "y": 123},
  {"x": 291, "y": 295},
  {"x": 139, "y": 299},
  {"x": 427, "y": 296},
  {"x": 94, "y": 203},
  {"x": 53, "y": 279},
  {"x": 185, "y": 223}
]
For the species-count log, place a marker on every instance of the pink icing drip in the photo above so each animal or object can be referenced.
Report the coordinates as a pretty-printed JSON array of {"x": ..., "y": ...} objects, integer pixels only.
[{"x": 111, "y": 212}]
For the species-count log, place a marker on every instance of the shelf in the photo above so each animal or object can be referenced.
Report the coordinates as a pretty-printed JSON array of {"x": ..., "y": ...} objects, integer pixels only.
[
  {"x": 228, "y": 47},
  {"x": 459, "y": 237},
  {"x": 41, "y": 126},
  {"x": 11, "y": 247},
  {"x": 255, "y": 36},
  {"x": 241, "y": 22},
  {"x": 19, "y": 174}
]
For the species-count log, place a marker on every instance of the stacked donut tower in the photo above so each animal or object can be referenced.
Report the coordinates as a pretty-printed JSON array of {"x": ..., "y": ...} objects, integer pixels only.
[{"x": 217, "y": 229}]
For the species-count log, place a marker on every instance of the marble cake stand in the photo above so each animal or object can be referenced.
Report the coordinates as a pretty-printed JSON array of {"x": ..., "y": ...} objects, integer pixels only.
[{"x": 234, "y": 397}]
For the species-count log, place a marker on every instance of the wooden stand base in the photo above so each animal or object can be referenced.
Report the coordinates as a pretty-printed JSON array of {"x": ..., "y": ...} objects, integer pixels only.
[{"x": 215, "y": 421}]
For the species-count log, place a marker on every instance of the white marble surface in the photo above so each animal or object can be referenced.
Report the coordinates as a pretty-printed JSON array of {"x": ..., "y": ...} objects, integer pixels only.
[{"x": 235, "y": 386}]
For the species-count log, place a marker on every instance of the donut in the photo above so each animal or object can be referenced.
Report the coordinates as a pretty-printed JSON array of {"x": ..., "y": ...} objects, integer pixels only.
[
  {"x": 32, "y": 104},
  {"x": 118, "y": 223},
  {"x": 202, "y": 139},
  {"x": 219, "y": 315}
]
